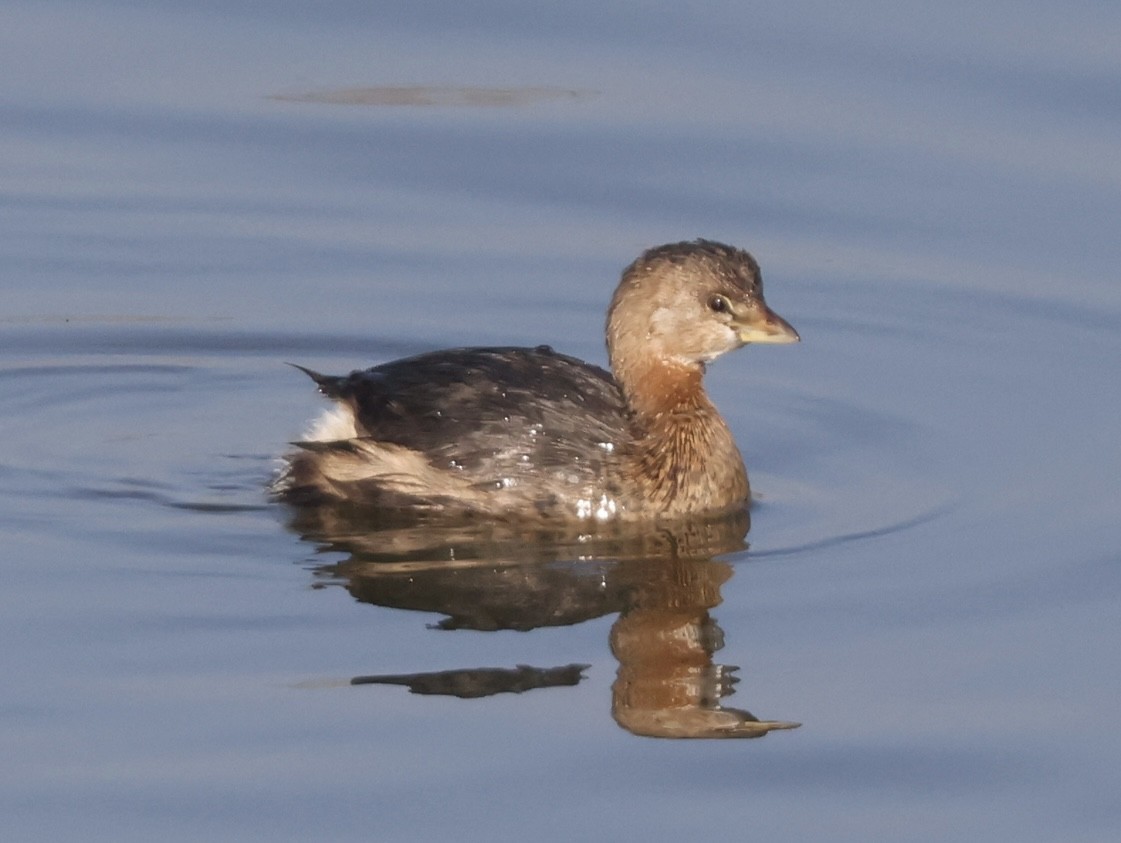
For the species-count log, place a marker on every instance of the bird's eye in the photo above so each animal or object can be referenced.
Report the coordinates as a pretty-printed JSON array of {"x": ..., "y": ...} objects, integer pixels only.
[{"x": 718, "y": 304}]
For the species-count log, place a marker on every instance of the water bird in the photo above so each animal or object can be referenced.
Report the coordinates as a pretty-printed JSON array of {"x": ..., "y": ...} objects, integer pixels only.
[{"x": 515, "y": 433}]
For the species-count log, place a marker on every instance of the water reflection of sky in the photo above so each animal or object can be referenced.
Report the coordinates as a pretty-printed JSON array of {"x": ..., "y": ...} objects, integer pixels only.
[{"x": 931, "y": 588}]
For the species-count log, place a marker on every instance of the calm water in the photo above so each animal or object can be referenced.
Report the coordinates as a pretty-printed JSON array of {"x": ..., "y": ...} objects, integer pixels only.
[{"x": 191, "y": 197}]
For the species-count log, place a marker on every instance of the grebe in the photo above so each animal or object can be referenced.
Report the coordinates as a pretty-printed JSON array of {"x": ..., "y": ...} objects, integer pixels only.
[{"x": 530, "y": 433}]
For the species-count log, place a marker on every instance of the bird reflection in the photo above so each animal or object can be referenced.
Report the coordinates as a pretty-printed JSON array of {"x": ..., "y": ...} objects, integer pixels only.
[
  {"x": 472, "y": 683},
  {"x": 667, "y": 685},
  {"x": 661, "y": 581}
]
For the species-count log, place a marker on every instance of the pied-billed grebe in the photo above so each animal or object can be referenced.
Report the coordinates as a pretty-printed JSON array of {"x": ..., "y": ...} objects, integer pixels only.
[{"x": 520, "y": 432}]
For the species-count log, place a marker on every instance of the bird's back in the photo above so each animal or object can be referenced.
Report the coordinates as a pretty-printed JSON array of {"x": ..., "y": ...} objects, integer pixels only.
[{"x": 496, "y": 428}]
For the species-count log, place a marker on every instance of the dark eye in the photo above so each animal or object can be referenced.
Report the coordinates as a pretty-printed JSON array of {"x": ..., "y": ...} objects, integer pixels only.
[{"x": 718, "y": 304}]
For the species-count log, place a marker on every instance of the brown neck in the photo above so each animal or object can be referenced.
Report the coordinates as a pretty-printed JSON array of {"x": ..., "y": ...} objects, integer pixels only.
[
  {"x": 656, "y": 388},
  {"x": 689, "y": 461}
]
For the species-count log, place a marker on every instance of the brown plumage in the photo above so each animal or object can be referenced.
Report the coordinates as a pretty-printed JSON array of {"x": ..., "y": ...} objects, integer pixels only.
[{"x": 515, "y": 432}]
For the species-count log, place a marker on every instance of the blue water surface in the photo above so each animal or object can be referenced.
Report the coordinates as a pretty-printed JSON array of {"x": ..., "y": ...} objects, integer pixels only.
[{"x": 192, "y": 195}]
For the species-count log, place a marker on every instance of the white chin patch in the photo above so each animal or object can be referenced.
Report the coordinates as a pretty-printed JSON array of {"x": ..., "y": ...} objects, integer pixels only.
[{"x": 335, "y": 424}]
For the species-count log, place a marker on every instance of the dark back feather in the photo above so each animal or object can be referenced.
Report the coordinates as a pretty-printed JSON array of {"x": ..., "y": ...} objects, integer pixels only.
[{"x": 492, "y": 413}]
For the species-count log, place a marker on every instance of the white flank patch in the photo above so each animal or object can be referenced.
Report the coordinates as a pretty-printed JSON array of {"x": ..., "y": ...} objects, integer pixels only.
[{"x": 335, "y": 424}]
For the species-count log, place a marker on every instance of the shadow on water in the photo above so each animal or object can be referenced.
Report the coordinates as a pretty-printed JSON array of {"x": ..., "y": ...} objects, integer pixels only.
[{"x": 661, "y": 582}]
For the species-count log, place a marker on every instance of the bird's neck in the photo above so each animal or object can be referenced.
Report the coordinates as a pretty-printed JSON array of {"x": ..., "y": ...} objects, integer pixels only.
[
  {"x": 656, "y": 389},
  {"x": 689, "y": 459}
]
